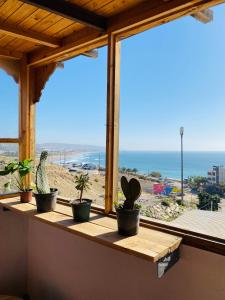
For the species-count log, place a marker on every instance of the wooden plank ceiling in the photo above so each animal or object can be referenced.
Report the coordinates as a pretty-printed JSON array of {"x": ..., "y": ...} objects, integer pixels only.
[
  {"x": 52, "y": 30},
  {"x": 18, "y": 16}
]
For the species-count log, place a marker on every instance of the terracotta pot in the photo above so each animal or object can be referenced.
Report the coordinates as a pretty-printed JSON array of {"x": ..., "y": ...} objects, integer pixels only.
[{"x": 26, "y": 197}]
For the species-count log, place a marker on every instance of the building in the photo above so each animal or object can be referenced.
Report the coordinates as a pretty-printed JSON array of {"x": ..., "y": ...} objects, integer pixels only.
[{"x": 216, "y": 175}]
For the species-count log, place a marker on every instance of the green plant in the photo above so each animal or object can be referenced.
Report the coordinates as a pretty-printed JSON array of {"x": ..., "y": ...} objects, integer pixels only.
[
  {"x": 23, "y": 168},
  {"x": 208, "y": 202},
  {"x": 196, "y": 182},
  {"x": 155, "y": 174},
  {"x": 42, "y": 185},
  {"x": 82, "y": 184},
  {"x": 132, "y": 191}
]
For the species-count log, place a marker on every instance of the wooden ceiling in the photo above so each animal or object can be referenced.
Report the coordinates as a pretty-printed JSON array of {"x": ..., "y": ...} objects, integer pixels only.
[
  {"x": 25, "y": 17},
  {"x": 42, "y": 27}
]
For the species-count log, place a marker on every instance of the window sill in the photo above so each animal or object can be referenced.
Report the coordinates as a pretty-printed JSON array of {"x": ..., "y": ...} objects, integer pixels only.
[
  {"x": 149, "y": 244},
  {"x": 199, "y": 240}
]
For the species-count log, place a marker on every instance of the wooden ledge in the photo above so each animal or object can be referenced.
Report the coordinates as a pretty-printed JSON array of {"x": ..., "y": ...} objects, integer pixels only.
[{"x": 148, "y": 244}]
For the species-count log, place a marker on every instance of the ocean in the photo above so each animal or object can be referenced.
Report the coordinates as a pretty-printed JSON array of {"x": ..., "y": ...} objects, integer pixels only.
[{"x": 167, "y": 163}]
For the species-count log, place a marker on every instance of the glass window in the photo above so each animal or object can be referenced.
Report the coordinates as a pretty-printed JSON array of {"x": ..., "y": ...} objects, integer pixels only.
[
  {"x": 168, "y": 81},
  {"x": 9, "y": 106},
  {"x": 8, "y": 153},
  {"x": 71, "y": 119}
]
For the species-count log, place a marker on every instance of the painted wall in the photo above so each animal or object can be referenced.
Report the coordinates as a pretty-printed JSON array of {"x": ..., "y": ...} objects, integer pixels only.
[
  {"x": 13, "y": 253},
  {"x": 63, "y": 266}
]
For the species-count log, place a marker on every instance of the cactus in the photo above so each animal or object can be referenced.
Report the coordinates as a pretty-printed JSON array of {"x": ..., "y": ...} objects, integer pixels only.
[
  {"x": 131, "y": 190},
  {"x": 42, "y": 185}
]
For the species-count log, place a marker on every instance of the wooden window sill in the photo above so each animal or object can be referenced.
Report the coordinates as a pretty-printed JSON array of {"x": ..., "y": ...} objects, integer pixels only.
[{"x": 148, "y": 244}]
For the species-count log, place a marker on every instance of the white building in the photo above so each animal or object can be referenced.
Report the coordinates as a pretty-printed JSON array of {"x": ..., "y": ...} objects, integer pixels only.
[{"x": 216, "y": 175}]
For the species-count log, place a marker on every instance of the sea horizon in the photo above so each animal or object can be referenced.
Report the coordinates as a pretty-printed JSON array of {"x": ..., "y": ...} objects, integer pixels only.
[{"x": 196, "y": 163}]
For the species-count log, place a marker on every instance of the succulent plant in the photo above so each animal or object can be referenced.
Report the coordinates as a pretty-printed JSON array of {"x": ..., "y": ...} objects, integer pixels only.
[
  {"x": 131, "y": 190},
  {"x": 42, "y": 185}
]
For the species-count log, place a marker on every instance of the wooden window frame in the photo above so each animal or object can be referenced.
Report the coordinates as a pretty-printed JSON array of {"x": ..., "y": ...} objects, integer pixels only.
[{"x": 26, "y": 142}]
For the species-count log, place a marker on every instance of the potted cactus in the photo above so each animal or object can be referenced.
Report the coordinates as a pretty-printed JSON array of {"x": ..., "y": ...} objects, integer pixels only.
[
  {"x": 81, "y": 207},
  {"x": 128, "y": 212},
  {"x": 22, "y": 168},
  {"x": 45, "y": 196}
]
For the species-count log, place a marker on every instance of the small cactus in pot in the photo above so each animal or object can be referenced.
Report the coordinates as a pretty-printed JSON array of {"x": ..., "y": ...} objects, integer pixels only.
[
  {"x": 81, "y": 207},
  {"x": 45, "y": 196},
  {"x": 128, "y": 212}
]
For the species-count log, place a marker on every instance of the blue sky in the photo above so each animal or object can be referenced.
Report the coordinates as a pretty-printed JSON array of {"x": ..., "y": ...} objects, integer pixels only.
[{"x": 172, "y": 75}]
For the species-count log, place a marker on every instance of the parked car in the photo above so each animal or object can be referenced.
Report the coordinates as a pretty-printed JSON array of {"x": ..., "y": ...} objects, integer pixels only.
[{"x": 89, "y": 166}]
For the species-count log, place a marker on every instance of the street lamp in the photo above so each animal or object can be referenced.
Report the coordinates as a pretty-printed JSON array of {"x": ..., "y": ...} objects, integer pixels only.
[{"x": 182, "y": 163}]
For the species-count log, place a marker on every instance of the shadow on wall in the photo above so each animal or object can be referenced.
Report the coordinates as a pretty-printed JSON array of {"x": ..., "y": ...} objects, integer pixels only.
[
  {"x": 48, "y": 292},
  {"x": 13, "y": 250}
]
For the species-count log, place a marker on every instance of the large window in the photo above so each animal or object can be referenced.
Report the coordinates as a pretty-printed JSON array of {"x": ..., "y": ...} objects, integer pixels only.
[
  {"x": 173, "y": 76},
  {"x": 9, "y": 107},
  {"x": 8, "y": 153},
  {"x": 71, "y": 119}
]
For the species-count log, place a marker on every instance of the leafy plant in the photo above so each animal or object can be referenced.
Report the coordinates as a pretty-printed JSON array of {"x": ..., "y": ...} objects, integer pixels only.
[
  {"x": 208, "y": 202},
  {"x": 42, "y": 185},
  {"x": 155, "y": 174},
  {"x": 82, "y": 184},
  {"x": 132, "y": 191},
  {"x": 23, "y": 168},
  {"x": 197, "y": 182}
]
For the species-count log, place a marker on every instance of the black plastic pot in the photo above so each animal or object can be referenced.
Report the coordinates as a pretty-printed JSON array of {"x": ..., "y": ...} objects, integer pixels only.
[
  {"x": 128, "y": 221},
  {"x": 81, "y": 210},
  {"x": 46, "y": 202}
]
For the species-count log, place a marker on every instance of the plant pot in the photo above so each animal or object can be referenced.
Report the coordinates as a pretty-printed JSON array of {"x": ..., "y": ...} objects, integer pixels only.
[
  {"x": 81, "y": 210},
  {"x": 26, "y": 197},
  {"x": 128, "y": 221},
  {"x": 46, "y": 202}
]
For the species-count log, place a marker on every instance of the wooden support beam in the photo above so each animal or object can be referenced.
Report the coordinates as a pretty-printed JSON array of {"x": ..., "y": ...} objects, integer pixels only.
[
  {"x": 92, "y": 53},
  {"x": 10, "y": 54},
  {"x": 146, "y": 15},
  {"x": 11, "y": 67},
  {"x": 150, "y": 14},
  {"x": 28, "y": 35},
  {"x": 112, "y": 127},
  {"x": 27, "y": 112},
  {"x": 9, "y": 140},
  {"x": 71, "y": 11},
  {"x": 74, "y": 45}
]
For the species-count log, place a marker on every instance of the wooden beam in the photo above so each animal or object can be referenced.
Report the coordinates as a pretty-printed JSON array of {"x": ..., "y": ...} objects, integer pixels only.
[
  {"x": 11, "y": 67},
  {"x": 92, "y": 53},
  {"x": 27, "y": 112},
  {"x": 146, "y": 15},
  {"x": 112, "y": 123},
  {"x": 79, "y": 43},
  {"x": 11, "y": 54},
  {"x": 31, "y": 36},
  {"x": 71, "y": 11},
  {"x": 150, "y": 14},
  {"x": 9, "y": 140}
]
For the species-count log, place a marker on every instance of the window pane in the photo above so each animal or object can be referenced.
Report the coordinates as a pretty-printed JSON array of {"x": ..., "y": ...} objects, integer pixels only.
[
  {"x": 71, "y": 118},
  {"x": 8, "y": 153},
  {"x": 168, "y": 82},
  {"x": 8, "y": 106}
]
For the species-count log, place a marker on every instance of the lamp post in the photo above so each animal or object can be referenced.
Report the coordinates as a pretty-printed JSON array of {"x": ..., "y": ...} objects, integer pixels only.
[{"x": 182, "y": 163}]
